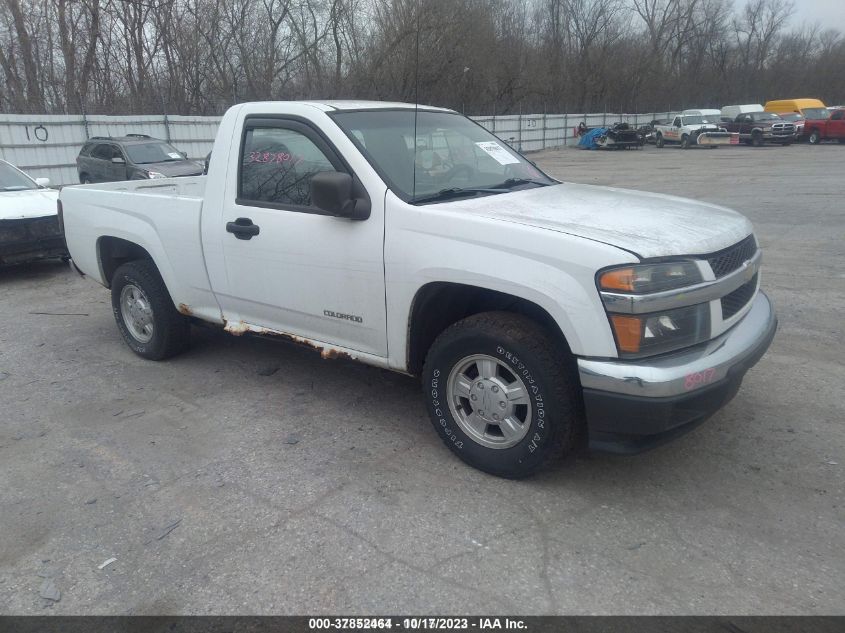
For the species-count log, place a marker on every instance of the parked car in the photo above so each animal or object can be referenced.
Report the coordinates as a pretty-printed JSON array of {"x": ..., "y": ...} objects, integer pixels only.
[
  {"x": 757, "y": 128},
  {"x": 535, "y": 311},
  {"x": 818, "y": 130},
  {"x": 797, "y": 120},
  {"x": 692, "y": 129},
  {"x": 29, "y": 225},
  {"x": 711, "y": 114},
  {"x": 807, "y": 108},
  {"x": 131, "y": 157},
  {"x": 730, "y": 113}
]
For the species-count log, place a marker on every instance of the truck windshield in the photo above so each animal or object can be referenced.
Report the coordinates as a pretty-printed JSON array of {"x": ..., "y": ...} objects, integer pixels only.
[
  {"x": 816, "y": 113},
  {"x": 157, "y": 152},
  {"x": 13, "y": 180},
  {"x": 448, "y": 154}
]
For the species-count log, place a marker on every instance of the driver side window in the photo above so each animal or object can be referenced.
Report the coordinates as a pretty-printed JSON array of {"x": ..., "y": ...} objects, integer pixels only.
[{"x": 277, "y": 166}]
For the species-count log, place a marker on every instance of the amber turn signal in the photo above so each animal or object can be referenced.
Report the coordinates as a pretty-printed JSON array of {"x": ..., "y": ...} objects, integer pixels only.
[
  {"x": 619, "y": 279},
  {"x": 629, "y": 332}
]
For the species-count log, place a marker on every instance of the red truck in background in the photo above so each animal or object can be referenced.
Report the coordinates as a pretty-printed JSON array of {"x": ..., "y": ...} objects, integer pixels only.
[{"x": 818, "y": 130}]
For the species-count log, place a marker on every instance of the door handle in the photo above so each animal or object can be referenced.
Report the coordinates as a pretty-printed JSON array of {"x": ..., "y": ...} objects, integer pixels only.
[{"x": 243, "y": 228}]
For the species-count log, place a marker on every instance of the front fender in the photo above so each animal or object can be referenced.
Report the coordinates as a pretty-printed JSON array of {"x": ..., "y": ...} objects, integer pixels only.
[{"x": 553, "y": 270}]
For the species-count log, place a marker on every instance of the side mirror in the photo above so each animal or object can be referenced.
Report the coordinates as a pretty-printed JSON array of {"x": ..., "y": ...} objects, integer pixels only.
[
  {"x": 331, "y": 191},
  {"x": 117, "y": 160},
  {"x": 42, "y": 182}
]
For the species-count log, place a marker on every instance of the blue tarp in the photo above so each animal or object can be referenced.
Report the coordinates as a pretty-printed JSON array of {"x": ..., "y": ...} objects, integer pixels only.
[{"x": 588, "y": 141}]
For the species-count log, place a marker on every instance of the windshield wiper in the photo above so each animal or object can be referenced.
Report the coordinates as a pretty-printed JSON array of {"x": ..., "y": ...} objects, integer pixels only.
[
  {"x": 457, "y": 192},
  {"x": 510, "y": 183}
]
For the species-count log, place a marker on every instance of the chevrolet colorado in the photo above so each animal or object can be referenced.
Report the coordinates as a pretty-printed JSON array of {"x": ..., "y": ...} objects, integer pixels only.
[{"x": 537, "y": 313}]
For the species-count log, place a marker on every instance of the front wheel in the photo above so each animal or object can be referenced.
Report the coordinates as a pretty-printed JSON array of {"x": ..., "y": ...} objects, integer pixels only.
[
  {"x": 756, "y": 139},
  {"x": 815, "y": 138},
  {"x": 502, "y": 394},
  {"x": 145, "y": 314},
  {"x": 685, "y": 142}
]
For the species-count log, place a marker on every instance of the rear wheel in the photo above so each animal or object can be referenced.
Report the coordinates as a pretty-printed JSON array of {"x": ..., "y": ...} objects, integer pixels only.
[
  {"x": 659, "y": 142},
  {"x": 501, "y": 394},
  {"x": 145, "y": 314}
]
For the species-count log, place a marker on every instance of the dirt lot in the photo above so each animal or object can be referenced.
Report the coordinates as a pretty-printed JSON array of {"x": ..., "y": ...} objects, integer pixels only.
[{"x": 254, "y": 477}]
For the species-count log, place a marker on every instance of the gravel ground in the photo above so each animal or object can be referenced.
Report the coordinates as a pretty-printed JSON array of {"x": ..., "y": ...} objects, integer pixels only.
[{"x": 249, "y": 477}]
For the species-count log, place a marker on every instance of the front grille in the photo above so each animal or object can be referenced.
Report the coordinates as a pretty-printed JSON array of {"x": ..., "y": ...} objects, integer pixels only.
[
  {"x": 738, "y": 299},
  {"x": 783, "y": 129},
  {"x": 728, "y": 260}
]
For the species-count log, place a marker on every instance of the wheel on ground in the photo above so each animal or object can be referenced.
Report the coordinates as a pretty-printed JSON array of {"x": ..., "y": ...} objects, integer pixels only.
[
  {"x": 685, "y": 142},
  {"x": 84, "y": 179},
  {"x": 502, "y": 393},
  {"x": 815, "y": 137},
  {"x": 145, "y": 314},
  {"x": 757, "y": 139},
  {"x": 659, "y": 142}
]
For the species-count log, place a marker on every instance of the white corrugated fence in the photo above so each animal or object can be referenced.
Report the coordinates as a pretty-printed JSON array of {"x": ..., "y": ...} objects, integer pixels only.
[{"x": 47, "y": 145}]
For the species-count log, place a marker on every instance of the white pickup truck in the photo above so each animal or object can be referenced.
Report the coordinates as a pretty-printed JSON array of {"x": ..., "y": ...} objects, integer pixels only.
[
  {"x": 539, "y": 314},
  {"x": 692, "y": 129}
]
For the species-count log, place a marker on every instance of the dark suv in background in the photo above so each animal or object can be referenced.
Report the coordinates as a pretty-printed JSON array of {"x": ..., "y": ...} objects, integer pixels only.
[{"x": 131, "y": 157}]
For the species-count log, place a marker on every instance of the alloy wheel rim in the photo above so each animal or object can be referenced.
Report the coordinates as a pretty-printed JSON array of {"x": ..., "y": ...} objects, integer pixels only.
[
  {"x": 489, "y": 402},
  {"x": 137, "y": 313}
]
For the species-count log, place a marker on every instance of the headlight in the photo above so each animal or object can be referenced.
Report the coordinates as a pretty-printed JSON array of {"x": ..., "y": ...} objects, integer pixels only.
[
  {"x": 649, "y": 278},
  {"x": 155, "y": 174},
  {"x": 656, "y": 333},
  {"x": 639, "y": 335}
]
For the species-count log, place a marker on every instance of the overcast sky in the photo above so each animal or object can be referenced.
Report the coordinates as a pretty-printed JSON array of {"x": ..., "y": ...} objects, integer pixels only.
[{"x": 829, "y": 13}]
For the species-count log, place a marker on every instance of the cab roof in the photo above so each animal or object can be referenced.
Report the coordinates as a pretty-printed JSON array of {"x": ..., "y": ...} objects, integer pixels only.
[{"x": 350, "y": 104}]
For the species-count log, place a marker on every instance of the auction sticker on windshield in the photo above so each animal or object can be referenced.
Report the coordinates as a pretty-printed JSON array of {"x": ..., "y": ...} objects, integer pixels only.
[
  {"x": 174, "y": 155},
  {"x": 498, "y": 153}
]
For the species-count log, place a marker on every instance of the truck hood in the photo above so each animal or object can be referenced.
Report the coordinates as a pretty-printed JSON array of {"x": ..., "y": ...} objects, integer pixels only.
[
  {"x": 646, "y": 224},
  {"x": 31, "y": 203},
  {"x": 175, "y": 168}
]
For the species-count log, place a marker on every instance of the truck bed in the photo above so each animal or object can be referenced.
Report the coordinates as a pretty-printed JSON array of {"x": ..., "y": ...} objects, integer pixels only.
[{"x": 163, "y": 216}]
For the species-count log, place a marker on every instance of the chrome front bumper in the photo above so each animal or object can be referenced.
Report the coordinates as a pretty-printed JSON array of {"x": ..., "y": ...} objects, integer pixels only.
[{"x": 633, "y": 405}]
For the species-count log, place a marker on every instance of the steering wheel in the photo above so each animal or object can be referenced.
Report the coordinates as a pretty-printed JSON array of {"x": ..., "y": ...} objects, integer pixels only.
[{"x": 459, "y": 170}]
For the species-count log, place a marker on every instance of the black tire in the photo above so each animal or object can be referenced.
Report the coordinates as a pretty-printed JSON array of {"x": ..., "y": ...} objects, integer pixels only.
[
  {"x": 170, "y": 330},
  {"x": 84, "y": 179},
  {"x": 526, "y": 352},
  {"x": 756, "y": 139},
  {"x": 815, "y": 137},
  {"x": 685, "y": 141},
  {"x": 659, "y": 142}
]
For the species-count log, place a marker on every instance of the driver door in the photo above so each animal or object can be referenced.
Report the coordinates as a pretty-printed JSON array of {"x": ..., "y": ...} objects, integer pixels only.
[
  {"x": 675, "y": 130},
  {"x": 302, "y": 272}
]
